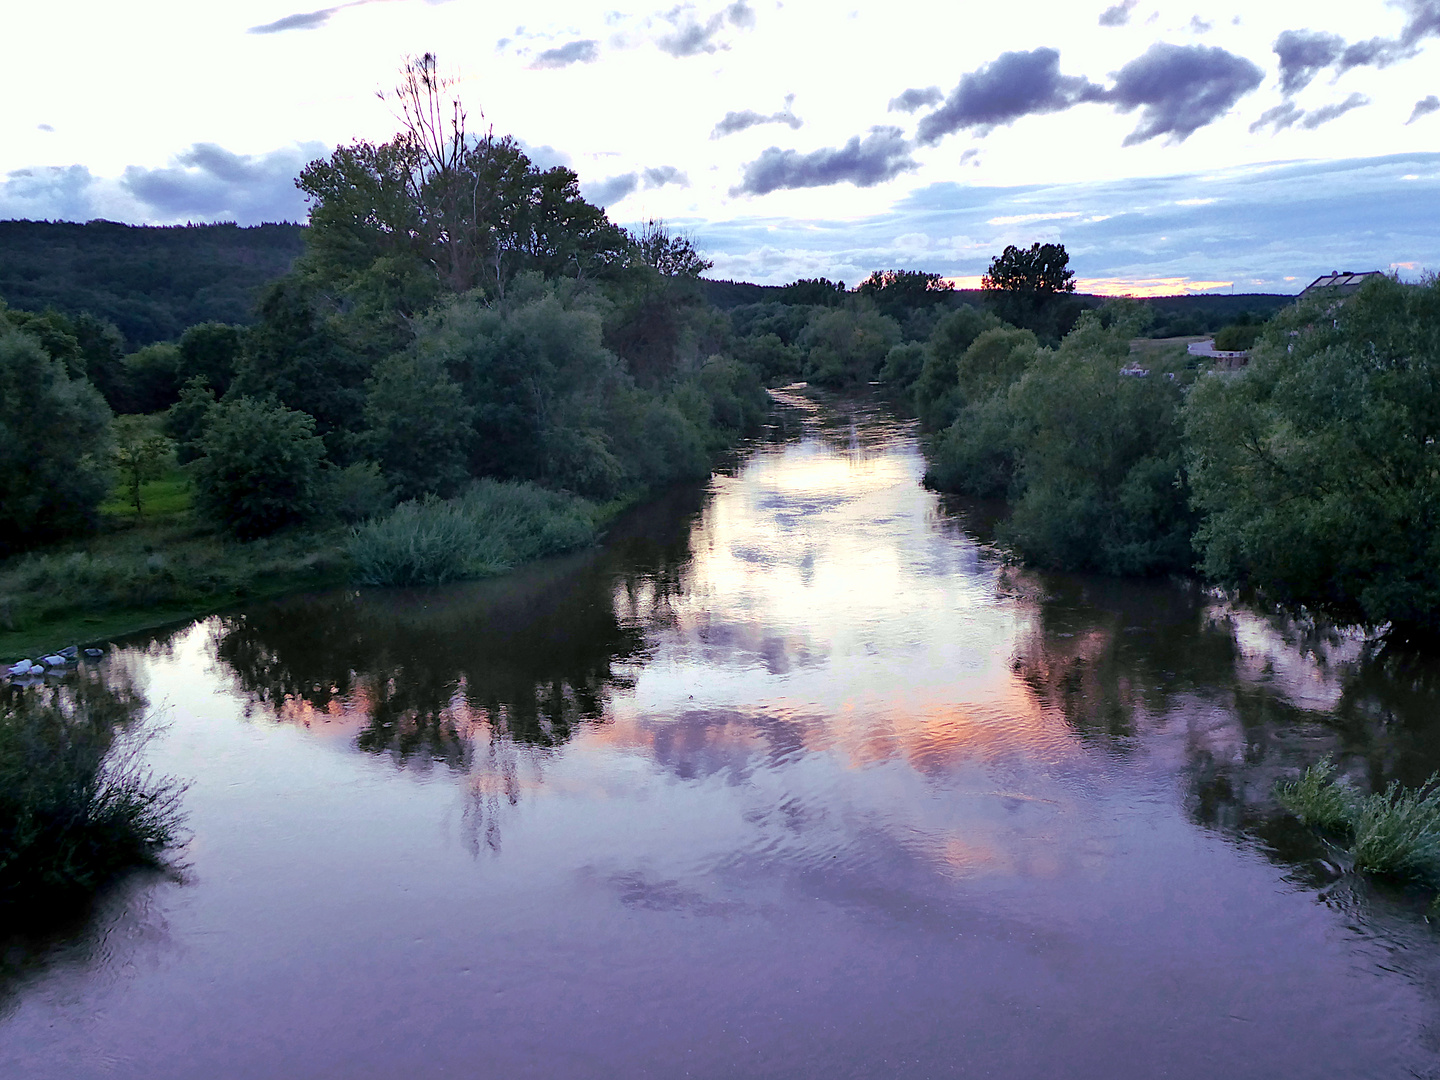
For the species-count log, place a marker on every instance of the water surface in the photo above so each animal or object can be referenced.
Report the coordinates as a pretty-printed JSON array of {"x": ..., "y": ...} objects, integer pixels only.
[{"x": 793, "y": 778}]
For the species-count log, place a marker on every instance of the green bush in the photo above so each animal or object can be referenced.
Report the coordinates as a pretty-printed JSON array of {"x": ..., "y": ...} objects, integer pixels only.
[
  {"x": 938, "y": 395},
  {"x": 1237, "y": 338},
  {"x": 846, "y": 348},
  {"x": 152, "y": 378},
  {"x": 1398, "y": 831},
  {"x": 1318, "y": 799},
  {"x": 418, "y": 425},
  {"x": 493, "y": 527},
  {"x": 259, "y": 467},
  {"x": 356, "y": 492},
  {"x": 1317, "y": 467},
  {"x": 55, "y": 442},
  {"x": 76, "y": 805}
]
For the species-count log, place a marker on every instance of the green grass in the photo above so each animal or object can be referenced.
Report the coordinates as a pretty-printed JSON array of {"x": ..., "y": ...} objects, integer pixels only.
[
  {"x": 165, "y": 498},
  {"x": 1317, "y": 798},
  {"x": 1395, "y": 832},
  {"x": 491, "y": 528},
  {"x": 76, "y": 804}
]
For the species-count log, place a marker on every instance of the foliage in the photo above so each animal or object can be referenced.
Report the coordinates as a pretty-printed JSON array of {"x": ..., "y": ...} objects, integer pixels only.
[
  {"x": 845, "y": 348},
  {"x": 670, "y": 254},
  {"x": 1317, "y": 798},
  {"x": 357, "y": 492},
  {"x": 259, "y": 467},
  {"x": 1027, "y": 286},
  {"x": 150, "y": 282},
  {"x": 140, "y": 454},
  {"x": 819, "y": 292},
  {"x": 1237, "y": 338},
  {"x": 76, "y": 805},
  {"x": 903, "y": 365},
  {"x": 55, "y": 438},
  {"x": 1398, "y": 831},
  {"x": 1317, "y": 467},
  {"x": 150, "y": 379},
  {"x": 185, "y": 421},
  {"x": 896, "y": 292},
  {"x": 938, "y": 394},
  {"x": 418, "y": 425},
  {"x": 210, "y": 351},
  {"x": 493, "y": 527}
]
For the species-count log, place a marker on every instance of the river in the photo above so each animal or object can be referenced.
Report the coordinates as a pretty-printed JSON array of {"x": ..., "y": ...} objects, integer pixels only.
[{"x": 794, "y": 777}]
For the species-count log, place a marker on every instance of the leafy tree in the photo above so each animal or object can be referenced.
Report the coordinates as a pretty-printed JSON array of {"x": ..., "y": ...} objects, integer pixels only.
[
  {"x": 186, "y": 419},
  {"x": 259, "y": 468},
  {"x": 418, "y": 425},
  {"x": 139, "y": 455},
  {"x": 1237, "y": 337},
  {"x": 819, "y": 292},
  {"x": 55, "y": 437},
  {"x": 671, "y": 254},
  {"x": 103, "y": 348},
  {"x": 847, "y": 348},
  {"x": 151, "y": 378},
  {"x": 937, "y": 385},
  {"x": 211, "y": 351},
  {"x": 299, "y": 355},
  {"x": 898, "y": 292},
  {"x": 1025, "y": 287},
  {"x": 1318, "y": 467}
]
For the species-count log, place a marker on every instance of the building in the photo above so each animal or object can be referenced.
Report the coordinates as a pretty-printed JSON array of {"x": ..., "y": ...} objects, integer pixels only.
[{"x": 1339, "y": 282}]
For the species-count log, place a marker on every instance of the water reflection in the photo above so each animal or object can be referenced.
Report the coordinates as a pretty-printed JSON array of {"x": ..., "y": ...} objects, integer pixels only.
[{"x": 796, "y": 776}]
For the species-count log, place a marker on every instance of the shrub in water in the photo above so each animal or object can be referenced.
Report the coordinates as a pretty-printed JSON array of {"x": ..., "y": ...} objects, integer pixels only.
[
  {"x": 1398, "y": 832},
  {"x": 76, "y": 807},
  {"x": 1317, "y": 798}
]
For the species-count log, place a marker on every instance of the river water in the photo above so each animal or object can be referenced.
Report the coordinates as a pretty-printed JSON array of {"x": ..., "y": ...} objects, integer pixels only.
[{"x": 792, "y": 778}]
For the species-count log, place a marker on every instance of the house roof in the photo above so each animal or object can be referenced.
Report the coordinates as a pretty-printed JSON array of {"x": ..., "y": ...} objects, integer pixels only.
[{"x": 1341, "y": 281}]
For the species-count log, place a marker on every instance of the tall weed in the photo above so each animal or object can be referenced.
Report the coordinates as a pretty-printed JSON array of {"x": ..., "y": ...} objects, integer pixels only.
[
  {"x": 1398, "y": 831},
  {"x": 1318, "y": 798}
]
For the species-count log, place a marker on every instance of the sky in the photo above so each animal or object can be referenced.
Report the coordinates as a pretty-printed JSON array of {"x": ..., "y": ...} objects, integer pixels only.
[{"x": 1196, "y": 146}]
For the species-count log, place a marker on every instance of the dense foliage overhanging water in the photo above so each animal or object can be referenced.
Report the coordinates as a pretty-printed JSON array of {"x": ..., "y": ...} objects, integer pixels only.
[{"x": 793, "y": 778}]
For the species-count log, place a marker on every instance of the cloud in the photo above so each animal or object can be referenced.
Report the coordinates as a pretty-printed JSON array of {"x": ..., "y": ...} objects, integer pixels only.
[
  {"x": 614, "y": 188},
  {"x": 1013, "y": 85},
  {"x": 912, "y": 99},
  {"x": 1180, "y": 89},
  {"x": 44, "y": 127},
  {"x": 1303, "y": 55},
  {"x": 1326, "y": 113},
  {"x": 742, "y": 121},
  {"x": 1280, "y": 117},
  {"x": 691, "y": 37},
  {"x": 1424, "y": 107},
  {"x": 205, "y": 183},
  {"x": 882, "y": 155},
  {"x": 586, "y": 51},
  {"x": 1199, "y": 25},
  {"x": 1118, "y": 15}
]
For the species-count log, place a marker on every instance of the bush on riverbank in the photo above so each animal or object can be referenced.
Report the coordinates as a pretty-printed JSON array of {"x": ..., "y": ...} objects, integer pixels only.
[
  {"x": 491, "y": 528},
  {"x": 76, "y": 805}
]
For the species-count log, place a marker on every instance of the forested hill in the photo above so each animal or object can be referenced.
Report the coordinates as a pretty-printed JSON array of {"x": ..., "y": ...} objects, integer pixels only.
[{"x": 151, "y": 282}]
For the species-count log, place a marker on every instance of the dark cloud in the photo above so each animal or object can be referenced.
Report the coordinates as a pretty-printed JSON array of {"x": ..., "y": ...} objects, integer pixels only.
[
  {"x": 1013, "y": 85},
  {"x": 208, "y": 182},
  {"x": 692, "y": 37},
  {"x": 1326, "y": 113},
  {"x": 881, "y": 155},
  {"x": 1180, "y": 89},
  {"x": 1118, "y": 15},
  {"x": 748, "y": 118},
  {"x": 1280, "y": 117},
  {"x": 66, "y": 193},
  {"x": 544, "y": 156},
  {"x": 1424, "y": 107},
  {"x": 912, "y": 99},
  {"x": 614, "y": 188},
  {"x": 1303, "y": 55},
  {"x": 586, "y": 51},
  {"x": 304, "y": 20}
]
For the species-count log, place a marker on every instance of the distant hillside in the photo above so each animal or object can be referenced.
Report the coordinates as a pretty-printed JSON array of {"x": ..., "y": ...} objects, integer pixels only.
[{"x": 150, "y": 282}]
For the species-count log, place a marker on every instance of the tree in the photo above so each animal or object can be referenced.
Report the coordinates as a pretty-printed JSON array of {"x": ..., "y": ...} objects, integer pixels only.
[
  {"x": 1318, "y": 466},
  {"x": 821, "y": 292},
  {"x": 138, "y": 455},
  {"x": 55, "y": 437},
  {"x": 898, "y": 292},
  {"x": 671, "y": 254},
  {"x": 259, "y": 468},
  {"x": 847, "y": 348},
  {"x": 1024, "y": 286},
  {"x": 418, "y": 425},
  {"x": 151, "y": 378},
  {"x": 211, "y": 351}
]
